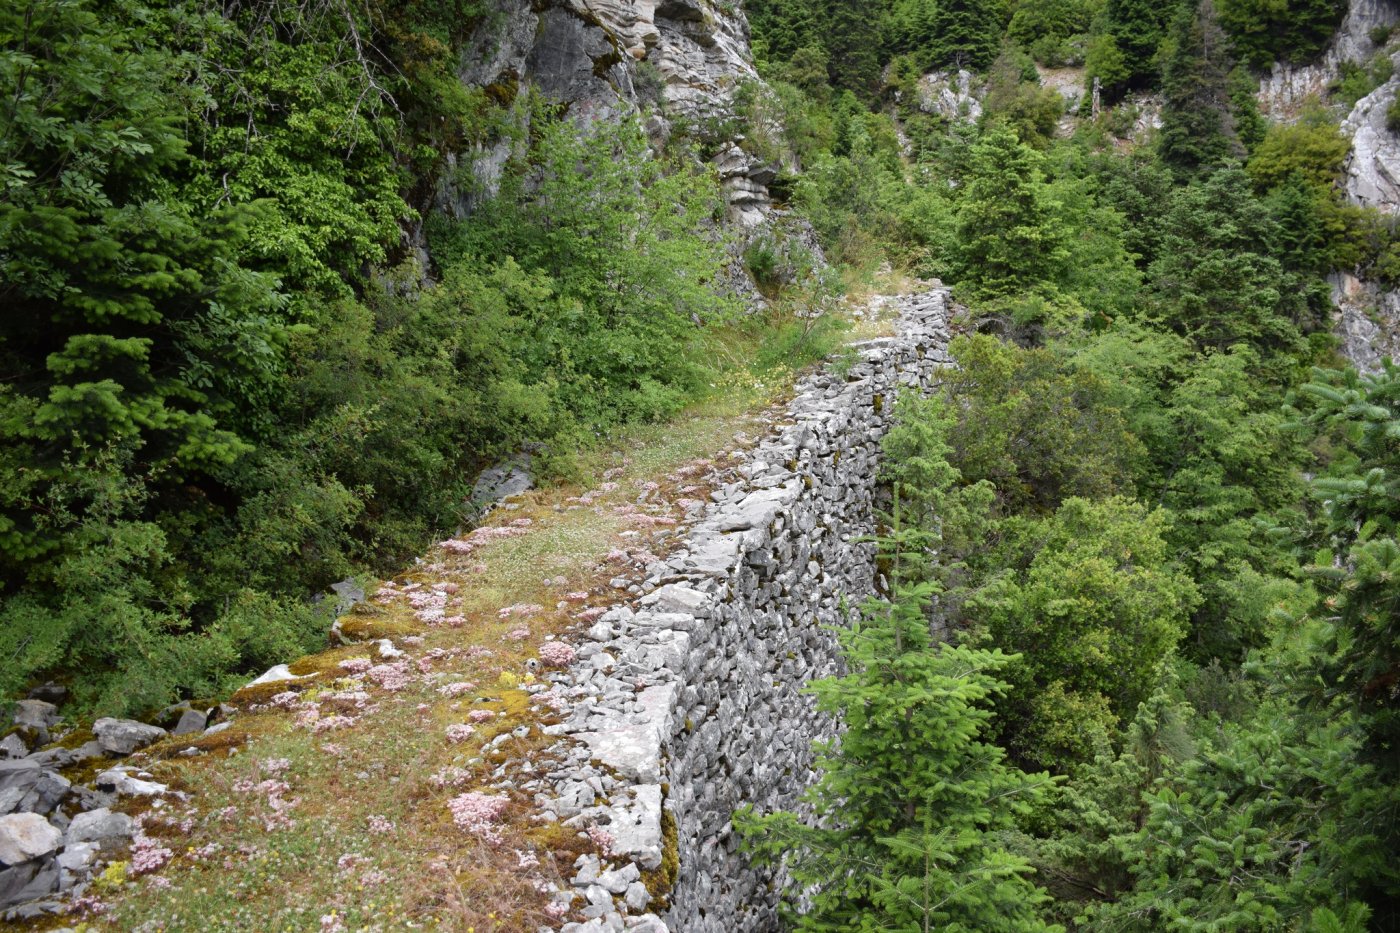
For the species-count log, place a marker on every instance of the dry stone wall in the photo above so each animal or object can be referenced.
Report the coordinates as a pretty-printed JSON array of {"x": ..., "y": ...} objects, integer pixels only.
[{"x": 691, "y": 704}]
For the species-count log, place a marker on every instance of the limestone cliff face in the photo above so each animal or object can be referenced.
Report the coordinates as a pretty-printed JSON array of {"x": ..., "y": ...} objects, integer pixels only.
[
  {"x": 1283, "y": 92},
  {"x": 1368, "y": 316},
  {"x": 603, "y": 58}
]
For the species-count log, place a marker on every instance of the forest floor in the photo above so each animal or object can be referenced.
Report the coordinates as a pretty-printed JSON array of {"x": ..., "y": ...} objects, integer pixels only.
[{"x": 325, "y": 805}]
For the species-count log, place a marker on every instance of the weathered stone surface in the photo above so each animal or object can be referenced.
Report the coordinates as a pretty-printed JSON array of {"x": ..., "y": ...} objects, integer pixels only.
[
  {"x": 27, "y": 882},
  {"x": 954, "y": 96},
  {"x": 502, "y": 482},
  {"x": 701, "y": 692},
  {"x": 26, "y": 836},
  {"x": 636, "y": 828},
  {"x": 124, "y": 736},
  {"x": 348, "y": 594},
  {"x": 12, "y": 746},
  {"x": 27, "y": 787},
  {"x": 1373, "y": 166},
  {"x": 191, "y": 721},
  {"x": 36, "y": 714},
  {"x": 74, "y": 863},
  {"x": 1286, "y": 89},
  {"x": 1367, "y": 321},
  {"x": 120, "y": 781},
  {"x": 586, "y": 54},
  {"x": 99, "y": 826}
]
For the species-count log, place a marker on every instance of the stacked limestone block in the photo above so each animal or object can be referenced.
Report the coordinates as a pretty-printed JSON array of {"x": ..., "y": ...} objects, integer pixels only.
[{"x": 693, "y": 705}]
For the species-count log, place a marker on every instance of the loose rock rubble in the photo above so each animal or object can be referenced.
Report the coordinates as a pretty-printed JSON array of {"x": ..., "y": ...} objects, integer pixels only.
[
  {"x": 56, "y": 832},
  {"x": 689, "y": 703}
]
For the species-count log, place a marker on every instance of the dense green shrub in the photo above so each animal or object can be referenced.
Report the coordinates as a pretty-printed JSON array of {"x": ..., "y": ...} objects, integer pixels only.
[{"x": 910, "y": 802}]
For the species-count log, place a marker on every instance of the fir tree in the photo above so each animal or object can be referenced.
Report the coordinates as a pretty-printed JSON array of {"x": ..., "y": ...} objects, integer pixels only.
[
  {"x": 1008, "y": 240},
  {"x": 1136, "y": 27},
  {"x": 949, "y": 33},
  {"x": 912, "y": 797},
  {"x": 1198, "y": 127}
]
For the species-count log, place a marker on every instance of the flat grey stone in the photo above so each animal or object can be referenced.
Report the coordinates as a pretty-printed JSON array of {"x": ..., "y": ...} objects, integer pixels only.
[
  {"x": 678, "y": 599},
  {"x": 191, "y": 721},
  {"x": 26, "y": 836},
  {"x": 35, "y": 714},
  {"x": 100, "y": 826},
  {"x": 27, "y": 787},
  {"x": 119, "y": 781},
  {"x": 617, "y": 880},
  {"x": 124, "y": 736},
  {"x": 636, "y": 827},
  {"x": 27, "y": 882},
  {"x": 75, "y": 862},
  {"x": 637, "y": 897}
]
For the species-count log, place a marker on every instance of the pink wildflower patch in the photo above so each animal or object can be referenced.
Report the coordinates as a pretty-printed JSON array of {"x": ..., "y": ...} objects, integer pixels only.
[
  {"x": 459, "y": 732},
  {"x": 577, "y": 595},
  {"x": 593, "y": 615},
  {"x": 380, "y": 824},
  {"x": 450, "y": 777},
  {"x": 557, "y": 654},
  {"x": 477, "y": 651},
  {"x": 429, "y": 606},
  {"x": 483, "y": 536},
  {"x": 274, "y": 765},
  {"x": 518, "y": 634},
  {"x": 452, "y": 691},
  {"x": 479, "y": 814},
  {"x": 481, "y": 715},
  {"x": 356, "y": 665},
  {"x": 331, "y": 722},
  {"x": 285, "y": 700},
  {"x": 392, "y": 677},
  {"x": 603, "y": 839},
  {"x": 519, "y": 609},
  {"x": 147, "y": 855}
]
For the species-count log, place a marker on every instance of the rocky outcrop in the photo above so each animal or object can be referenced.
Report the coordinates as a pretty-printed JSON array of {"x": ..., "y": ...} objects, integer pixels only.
[
  {"x": 690, "y": 703},
  {"x": 1283, "y": 92},
  {"x": 1368, "y": 321},
  {"x": 1373, "y": 166},
  {"x": 57, "y": 827},
  {"x": 1368, "y": 316},
  {"x": 956, "y": 96},
  {"x": 603, "y": 58}
]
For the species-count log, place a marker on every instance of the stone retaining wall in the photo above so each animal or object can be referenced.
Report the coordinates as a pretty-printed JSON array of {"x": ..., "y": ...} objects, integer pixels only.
[{"x": 692, "y": 705}]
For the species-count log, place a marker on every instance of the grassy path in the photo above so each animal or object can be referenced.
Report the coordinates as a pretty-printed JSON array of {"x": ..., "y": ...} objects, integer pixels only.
[{"x": 335, "y": 801}]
